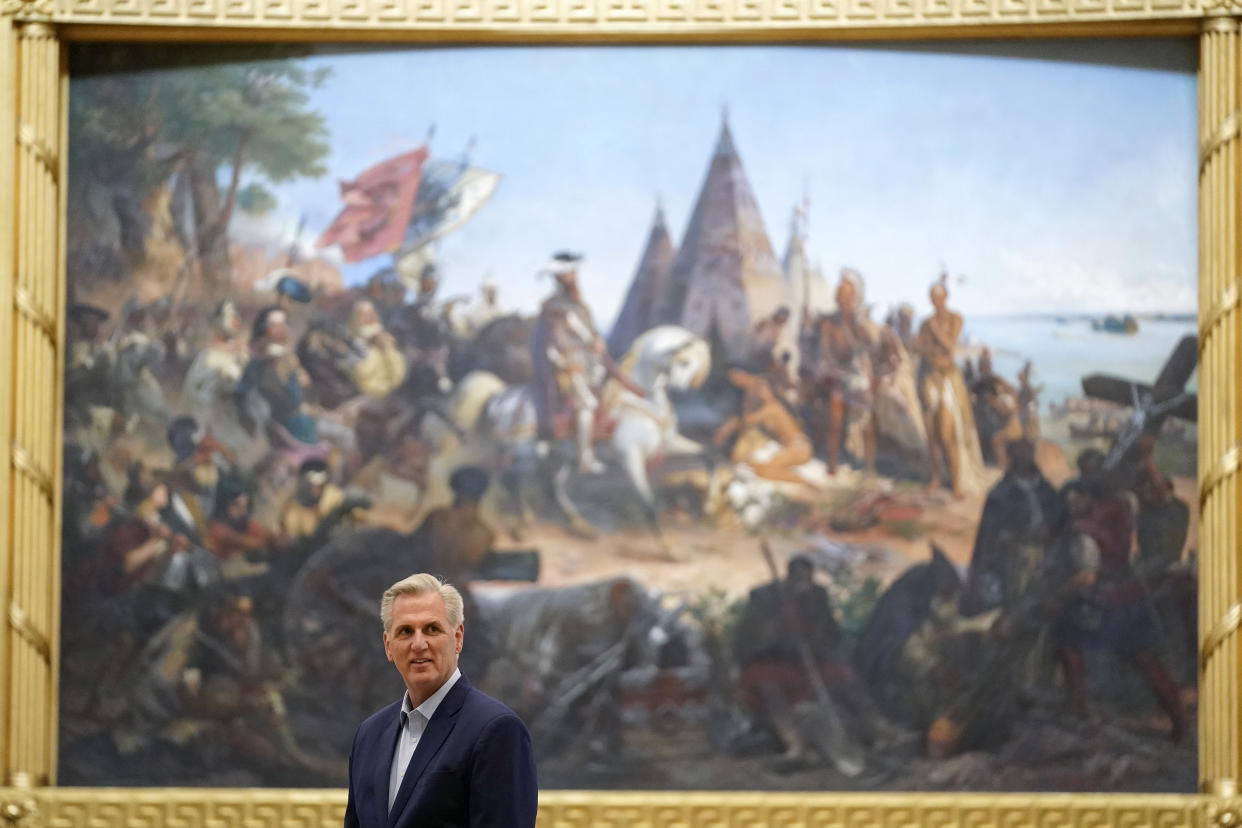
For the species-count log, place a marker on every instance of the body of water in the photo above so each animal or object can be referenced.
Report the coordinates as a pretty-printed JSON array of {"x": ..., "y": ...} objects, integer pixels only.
[{"x": 1062, "y": 352}]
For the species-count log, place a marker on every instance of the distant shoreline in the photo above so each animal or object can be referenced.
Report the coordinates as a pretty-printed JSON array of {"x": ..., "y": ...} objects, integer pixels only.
[{"x": 1081, "y": 316}]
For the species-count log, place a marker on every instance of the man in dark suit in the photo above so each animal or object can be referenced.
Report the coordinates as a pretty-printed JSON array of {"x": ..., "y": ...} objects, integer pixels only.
[{"x": 446, "y": 754}]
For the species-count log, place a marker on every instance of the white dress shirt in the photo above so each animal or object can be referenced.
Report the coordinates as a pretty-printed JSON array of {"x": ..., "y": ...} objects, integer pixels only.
[{"x": 413, "y": 723}]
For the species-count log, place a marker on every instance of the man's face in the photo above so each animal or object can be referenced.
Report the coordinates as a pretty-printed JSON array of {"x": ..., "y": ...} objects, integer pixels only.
[
  {"x": 277, "y": 328},
  {"x": 422, "y": 645},
  {"x": 366, "y": 313},
  {"x": 847, "y": 298},
  {"x": 239, "y": 507}
]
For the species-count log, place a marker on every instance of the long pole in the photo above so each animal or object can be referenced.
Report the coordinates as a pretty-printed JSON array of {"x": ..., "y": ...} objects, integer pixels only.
[{"x": 846, "y": 756}]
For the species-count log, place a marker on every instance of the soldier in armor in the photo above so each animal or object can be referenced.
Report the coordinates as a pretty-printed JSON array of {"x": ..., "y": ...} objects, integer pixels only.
[
  {"x": 567, "y": 351},
  {"x": 844, "y": 370}
]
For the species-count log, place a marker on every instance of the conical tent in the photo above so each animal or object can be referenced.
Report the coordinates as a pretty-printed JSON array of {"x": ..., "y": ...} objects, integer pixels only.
[
  {"x": 808, "y": 290},
  {"x": 638, "y": 313},
  {"x": 725, "y": 268}
]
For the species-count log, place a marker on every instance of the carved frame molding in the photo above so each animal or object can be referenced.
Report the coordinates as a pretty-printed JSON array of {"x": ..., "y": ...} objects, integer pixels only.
[{"x": 33, "y": 98}]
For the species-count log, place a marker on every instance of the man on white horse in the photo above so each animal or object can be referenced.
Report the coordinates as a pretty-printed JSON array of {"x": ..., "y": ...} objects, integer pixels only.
[{"x": 567, "y": 352}]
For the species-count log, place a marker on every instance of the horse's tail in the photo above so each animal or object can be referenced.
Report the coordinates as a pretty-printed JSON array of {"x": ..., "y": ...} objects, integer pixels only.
[{"x": 472, "y": 395}]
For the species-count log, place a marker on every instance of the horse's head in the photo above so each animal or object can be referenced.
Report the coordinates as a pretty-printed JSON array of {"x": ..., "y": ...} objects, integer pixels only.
[
  {"x": 689, "y": 364},
  {"x": 670, "y": 355}
]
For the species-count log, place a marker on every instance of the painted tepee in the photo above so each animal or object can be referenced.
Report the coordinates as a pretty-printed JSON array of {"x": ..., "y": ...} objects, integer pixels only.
[
  {"x": 638, "y": 313},
  {"x": 725, "y": 271},
  {"x": 809, "y": 292}
]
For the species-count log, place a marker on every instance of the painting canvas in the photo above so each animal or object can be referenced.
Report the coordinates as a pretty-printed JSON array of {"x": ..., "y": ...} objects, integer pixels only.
[{"x": 792, "y": 417}]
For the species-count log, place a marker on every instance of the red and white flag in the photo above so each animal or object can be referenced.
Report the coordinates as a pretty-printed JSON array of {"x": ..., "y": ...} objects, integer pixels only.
[{"x": 378, "y": 206}]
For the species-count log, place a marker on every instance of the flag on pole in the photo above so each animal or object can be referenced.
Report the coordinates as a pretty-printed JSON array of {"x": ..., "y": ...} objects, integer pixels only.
[
  {"x": 378, "y": 207},
  {"x": 451, "y": 193}
]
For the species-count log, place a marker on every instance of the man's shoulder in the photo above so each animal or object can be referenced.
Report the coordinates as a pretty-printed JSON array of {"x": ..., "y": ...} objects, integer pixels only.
[
  {"x": 380, "y": 718},
  {"x": 480, "y": 705},
  {"x": 485, "y": 714}
]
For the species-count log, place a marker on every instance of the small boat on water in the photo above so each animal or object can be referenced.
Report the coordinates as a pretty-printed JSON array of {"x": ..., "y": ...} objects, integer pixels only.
[{"x": 1116, "y": 324}]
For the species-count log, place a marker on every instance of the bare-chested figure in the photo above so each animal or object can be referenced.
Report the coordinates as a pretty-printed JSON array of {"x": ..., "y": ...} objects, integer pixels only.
[
  {"x": 845, "y": 371},
  {"x": 765, "y": 420},
  {"x": 951, "y": 431},
  {"x": 996, "y": 410}
]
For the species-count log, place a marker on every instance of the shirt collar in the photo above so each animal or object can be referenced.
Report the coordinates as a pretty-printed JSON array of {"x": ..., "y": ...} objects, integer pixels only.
[{"x": 428, "y": 707}]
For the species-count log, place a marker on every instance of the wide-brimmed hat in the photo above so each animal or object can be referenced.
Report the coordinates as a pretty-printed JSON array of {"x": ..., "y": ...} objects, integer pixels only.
[{"x": 562, "y": 263}]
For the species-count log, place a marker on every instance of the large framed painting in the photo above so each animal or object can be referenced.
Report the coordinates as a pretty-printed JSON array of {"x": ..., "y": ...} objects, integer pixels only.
[{"x": 819, "y": 432}]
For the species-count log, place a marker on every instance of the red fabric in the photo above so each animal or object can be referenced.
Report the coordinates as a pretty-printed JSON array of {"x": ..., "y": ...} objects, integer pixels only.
[
  {"x": 1110, "y": 523},
  {"x": 791, "y": 679},
  {"x": 123, "y": 539},
  {"x": 378, "y": 206}
]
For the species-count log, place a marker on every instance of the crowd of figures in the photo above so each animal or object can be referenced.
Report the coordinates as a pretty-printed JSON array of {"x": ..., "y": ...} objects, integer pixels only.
[
  {"x": 242, "y": 485},
  {"x": 206, "y": 461},
  {"x": 1055, "y": 576},
  {"x": 889, "y": 396}
]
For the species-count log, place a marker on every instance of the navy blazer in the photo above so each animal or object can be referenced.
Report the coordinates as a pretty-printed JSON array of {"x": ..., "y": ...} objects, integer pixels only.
[{"x": 474, "y": 766}]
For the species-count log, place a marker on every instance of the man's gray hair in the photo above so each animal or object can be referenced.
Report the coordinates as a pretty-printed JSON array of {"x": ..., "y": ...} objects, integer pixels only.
[{"x": 420, "y": 584}]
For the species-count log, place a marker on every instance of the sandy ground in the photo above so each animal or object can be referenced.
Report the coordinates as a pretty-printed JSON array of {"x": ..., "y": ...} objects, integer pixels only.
[{"x": 719, "y": 553}]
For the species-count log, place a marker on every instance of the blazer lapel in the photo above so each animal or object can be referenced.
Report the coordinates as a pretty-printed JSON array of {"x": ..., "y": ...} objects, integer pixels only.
[
  {"x": 429, "y": 743},
  {"x": 383, "y": 767}
]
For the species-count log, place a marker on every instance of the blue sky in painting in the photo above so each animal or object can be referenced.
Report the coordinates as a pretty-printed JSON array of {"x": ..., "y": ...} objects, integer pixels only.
[{"x": 1049, "y": 185}]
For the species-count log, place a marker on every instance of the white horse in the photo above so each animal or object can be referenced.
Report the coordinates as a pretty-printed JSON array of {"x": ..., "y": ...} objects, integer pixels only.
[{"x": 662, "y": 359}]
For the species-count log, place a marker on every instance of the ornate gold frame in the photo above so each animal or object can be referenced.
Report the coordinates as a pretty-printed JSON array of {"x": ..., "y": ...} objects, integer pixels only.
[{"x": 33, "y": 96}]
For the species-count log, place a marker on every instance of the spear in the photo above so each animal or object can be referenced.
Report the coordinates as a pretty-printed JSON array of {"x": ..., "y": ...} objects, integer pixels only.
[{"x": 845, "y": 755}]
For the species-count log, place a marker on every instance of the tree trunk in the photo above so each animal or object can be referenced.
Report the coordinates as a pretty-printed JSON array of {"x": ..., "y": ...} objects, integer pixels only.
[
  {"x": 213, "y": 241},
  {"x": 230, "y": 199}
]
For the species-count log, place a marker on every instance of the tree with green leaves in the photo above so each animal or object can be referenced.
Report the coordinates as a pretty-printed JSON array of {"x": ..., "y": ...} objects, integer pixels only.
[{"x": 201, "y": 129}]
